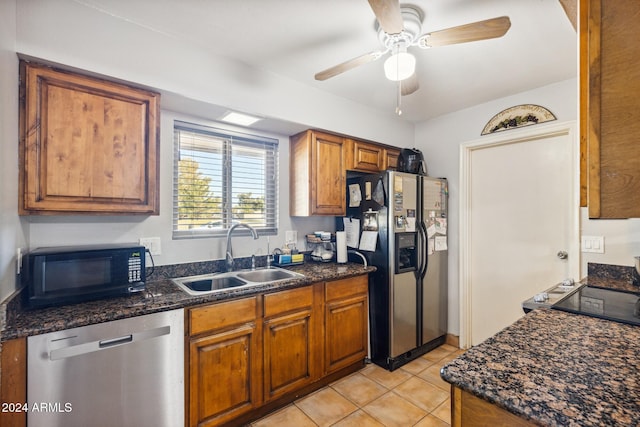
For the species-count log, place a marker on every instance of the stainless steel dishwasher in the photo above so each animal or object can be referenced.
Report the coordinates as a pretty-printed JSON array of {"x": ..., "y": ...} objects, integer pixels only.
[{"x": 127, "y": 372}]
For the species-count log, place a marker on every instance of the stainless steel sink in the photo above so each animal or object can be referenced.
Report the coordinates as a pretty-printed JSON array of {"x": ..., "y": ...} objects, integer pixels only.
[
  {"x": 216, "y": 282},
  {"x": 267, "y": 275}
]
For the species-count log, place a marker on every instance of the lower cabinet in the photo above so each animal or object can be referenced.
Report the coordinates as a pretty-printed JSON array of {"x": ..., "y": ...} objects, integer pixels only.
[
  {"x": 471, "y": 411},
  {"x": 225, "y": 362},
  {"x": 346, "y": 313},
  {"x": 290, "y": 332},
  {"x": 254, "y": 353}
]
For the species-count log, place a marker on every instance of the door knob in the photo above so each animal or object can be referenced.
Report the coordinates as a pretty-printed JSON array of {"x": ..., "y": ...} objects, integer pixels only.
[{"x": 563, "y": 255}]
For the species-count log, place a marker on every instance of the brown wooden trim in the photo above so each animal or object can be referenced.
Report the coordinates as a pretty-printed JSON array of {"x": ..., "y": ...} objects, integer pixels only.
[
  {"x": 583, "y": 76},
  {"x": 13, "y": 385},
  {"x": 453, "y": 340},
  {"x": 593, "y": 105}
]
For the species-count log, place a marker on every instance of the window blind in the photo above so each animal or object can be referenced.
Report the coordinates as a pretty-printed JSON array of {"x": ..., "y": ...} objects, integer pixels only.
[{"x": 222, "y": 178}]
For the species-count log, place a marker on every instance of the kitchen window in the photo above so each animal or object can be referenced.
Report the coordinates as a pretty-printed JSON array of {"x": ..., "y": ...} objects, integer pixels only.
[{"x": 222, "y": 178}]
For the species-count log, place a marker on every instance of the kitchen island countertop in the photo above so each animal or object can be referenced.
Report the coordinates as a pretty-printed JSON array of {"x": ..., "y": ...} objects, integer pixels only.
[
  {"x": 161, "y": 295},
  {"x": 557, "y": 369}
]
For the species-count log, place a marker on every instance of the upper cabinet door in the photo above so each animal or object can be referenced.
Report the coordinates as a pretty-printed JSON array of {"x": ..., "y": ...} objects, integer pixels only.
[
  {"x": 86, "y": 145},
  {"x": 318, "y": 174},
  {"x": 367, "y": 157},
  {"x": 612, "y": 97}
]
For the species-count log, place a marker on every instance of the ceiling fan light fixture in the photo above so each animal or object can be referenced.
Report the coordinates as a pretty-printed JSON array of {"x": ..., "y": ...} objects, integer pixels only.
[{"x": 399, "y": 66}]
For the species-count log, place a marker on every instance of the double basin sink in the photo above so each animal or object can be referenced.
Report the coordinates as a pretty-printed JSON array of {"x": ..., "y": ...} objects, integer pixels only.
[{"x": 210, "y": 283}]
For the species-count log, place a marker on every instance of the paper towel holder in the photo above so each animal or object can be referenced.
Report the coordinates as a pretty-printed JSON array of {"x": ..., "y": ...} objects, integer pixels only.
[{"x": 341, "y": 247}]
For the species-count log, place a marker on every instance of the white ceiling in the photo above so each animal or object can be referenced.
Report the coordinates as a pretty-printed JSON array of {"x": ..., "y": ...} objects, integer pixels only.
[{"x": 297, "y": 38}]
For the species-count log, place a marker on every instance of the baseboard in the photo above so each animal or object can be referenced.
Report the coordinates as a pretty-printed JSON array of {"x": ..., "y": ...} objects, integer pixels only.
[{"x": 453, "y": 340}]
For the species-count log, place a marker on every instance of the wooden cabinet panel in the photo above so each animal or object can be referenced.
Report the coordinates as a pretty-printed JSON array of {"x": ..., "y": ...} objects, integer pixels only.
[
  {"x": 224, "y": 375},
  {"x": 290, "y": 334},
  {"x": 289, "y": 300},
  {"x": 612, "y": 98},
  {"x": 222, "y": 315},
  {"x": 471, "y": 411},
  {"x": 317, "y": 174},
  {"x": 346, "y": 327},
  {"x": 13, "y": 388},
  {"x": 338, "y": 289},
  {"x": 391, "y": 158},
  {"x": 86, "y": 145},
  {"x": 288, "y": 353},
  {"x": 366, "y": 157},
  {"x": 224, "y": 361}
]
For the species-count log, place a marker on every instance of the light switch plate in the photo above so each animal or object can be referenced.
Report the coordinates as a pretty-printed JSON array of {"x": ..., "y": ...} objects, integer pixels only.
[{"x": 593, "y": 244}]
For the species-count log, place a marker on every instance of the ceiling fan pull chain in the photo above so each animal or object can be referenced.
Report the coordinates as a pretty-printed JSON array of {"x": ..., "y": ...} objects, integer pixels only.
[
  {"x": 399, "y": 98},
  {"x": 399, "y": 87}
]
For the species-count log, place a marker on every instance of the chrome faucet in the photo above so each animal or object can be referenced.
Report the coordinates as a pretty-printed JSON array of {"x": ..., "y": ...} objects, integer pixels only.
[{"x": 229, "y": 255}]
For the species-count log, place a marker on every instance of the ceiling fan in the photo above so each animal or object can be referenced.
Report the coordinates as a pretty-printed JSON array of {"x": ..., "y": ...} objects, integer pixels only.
[{"x": 399, "y": 28}]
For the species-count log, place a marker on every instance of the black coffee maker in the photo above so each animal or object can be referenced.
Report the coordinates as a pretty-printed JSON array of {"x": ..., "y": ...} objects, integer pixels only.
[{"x": 411, "y": 160}]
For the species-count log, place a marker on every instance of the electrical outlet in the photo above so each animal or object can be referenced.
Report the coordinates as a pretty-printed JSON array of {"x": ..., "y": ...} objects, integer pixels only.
[
  {"x": 290, "y": 236},
  {"x": 594, "y": 244},
  {"x": 152, "y": 244}
]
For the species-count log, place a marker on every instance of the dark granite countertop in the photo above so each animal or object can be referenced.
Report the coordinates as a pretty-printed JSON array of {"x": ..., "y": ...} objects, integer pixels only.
[
  {"x": 560, "y": 369},
  {"x": 557, "y": 369},
  {"x": 161, "y": 295}
]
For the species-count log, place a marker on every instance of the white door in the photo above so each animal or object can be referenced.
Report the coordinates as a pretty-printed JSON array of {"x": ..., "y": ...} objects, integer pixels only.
[{"x": 519, "y": 210}]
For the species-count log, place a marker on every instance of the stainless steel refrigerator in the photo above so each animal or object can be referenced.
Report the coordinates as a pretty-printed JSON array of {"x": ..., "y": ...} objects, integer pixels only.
[{"x": 399, "y": 222}]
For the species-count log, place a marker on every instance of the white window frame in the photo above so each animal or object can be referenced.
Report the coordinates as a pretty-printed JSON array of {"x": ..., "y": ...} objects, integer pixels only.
[{"x": 268, "y": 180}]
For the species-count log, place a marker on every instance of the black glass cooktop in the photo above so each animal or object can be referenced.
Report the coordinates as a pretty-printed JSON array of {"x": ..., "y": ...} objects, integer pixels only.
[{"x": 604, "y": 303}]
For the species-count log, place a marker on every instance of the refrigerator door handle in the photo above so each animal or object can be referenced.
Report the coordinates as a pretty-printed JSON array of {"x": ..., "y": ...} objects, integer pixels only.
[{"x": 424, "y": 246}]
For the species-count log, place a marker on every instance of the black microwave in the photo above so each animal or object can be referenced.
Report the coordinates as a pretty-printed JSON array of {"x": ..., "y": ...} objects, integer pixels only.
[{"x": 70, "y": 274}]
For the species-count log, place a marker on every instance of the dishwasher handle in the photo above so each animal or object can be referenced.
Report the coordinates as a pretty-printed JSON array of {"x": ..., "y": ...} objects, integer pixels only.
[
  {"x": 90, "y": 347},
  {"x": 115, "y": 341}
]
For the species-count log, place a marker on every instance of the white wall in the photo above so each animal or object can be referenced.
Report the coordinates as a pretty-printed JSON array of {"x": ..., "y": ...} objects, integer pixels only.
[
  {"x": 12, "y": 230},
  {"x": 621, "y": 240},
  {"x": 440, "y": 141}
]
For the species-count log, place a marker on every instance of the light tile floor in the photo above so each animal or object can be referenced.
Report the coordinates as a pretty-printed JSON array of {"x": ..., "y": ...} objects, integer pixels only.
[{"x": 413, "y": 395}]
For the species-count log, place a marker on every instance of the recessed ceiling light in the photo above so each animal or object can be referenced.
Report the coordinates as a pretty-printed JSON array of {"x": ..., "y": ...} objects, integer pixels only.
[{"x": 240, "y": 118}]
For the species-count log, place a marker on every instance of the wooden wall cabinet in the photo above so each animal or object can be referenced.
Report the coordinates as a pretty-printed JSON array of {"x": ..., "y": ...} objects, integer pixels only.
[
  {"x": 318, "y": 165},
  {"x": 317, "y": 174},
  {"x": 610, "y": 91},
  {"x": 86, "y": 145},
  {"x": 346, "y": 330},
  {"x": 370, "y": 157}
]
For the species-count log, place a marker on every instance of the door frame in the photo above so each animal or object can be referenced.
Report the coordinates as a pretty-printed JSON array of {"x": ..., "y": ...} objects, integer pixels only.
[{"x": 535, "y": 132}]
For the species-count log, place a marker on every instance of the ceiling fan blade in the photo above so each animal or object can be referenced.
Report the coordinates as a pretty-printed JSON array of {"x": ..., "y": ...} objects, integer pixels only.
[
  {"x": 348, "y": 65},
  {"x": 481, "y": 30},
  {"x": 409, "y": 85},
  {"x": 388, "y": 14},
  {"x": 571, "y": 9}
]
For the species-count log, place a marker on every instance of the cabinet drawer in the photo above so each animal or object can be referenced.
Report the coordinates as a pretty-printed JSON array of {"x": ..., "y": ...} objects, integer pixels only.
[
  {"x": 346, "y": 287},
  {"x": 222, "y": 315},
  {"x": 289, "y": 300}
]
